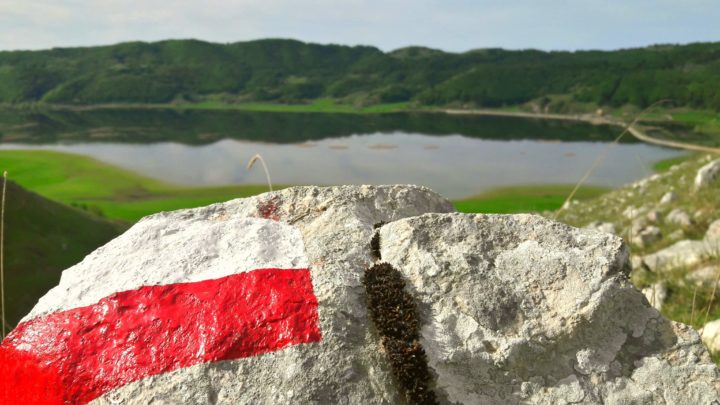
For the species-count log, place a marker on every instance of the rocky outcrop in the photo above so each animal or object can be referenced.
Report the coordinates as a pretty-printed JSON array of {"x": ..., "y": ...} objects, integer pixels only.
[{"x": 512, "y": 309}]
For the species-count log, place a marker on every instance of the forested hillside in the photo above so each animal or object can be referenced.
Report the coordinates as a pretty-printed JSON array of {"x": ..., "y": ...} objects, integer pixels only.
[{"x": 291, "y": 71}]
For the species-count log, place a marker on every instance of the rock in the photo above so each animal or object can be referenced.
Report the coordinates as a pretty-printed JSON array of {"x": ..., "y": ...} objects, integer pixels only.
[
  {"x": 325, "y": 229},
  {"x": 632, "y": 212},
  {"x": 669, "y": 197},
  {"x": 607, "y": 227},
  {"x": 636, "y": 262},
  {"x": 711, "y": 336},
  {"x": 654, "y": 216},
  {"x": 656, "y": 295},
  {"x": 713, "y": 231},
  {"x": 682, "y": 254},
  {"x": 558, "y": 314},
  {"x": 570, "y": 203},
  {"x": 678, "y": 216},
  {"x": 645, "y": 236},
  {"x": 707, "y": 174},
  {"x": 705, "y": 276},
  {"x": 676, "y": 235},
  {"x": 514, "y": 309},
  {"x": 643, "y": 183}
]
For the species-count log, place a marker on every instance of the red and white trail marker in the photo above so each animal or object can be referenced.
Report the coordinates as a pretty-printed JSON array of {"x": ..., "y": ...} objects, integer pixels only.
[{"x": 74, "y": 354}]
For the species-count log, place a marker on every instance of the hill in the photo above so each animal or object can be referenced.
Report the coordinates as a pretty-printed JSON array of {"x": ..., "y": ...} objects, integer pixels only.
[
  {"x": 42, "y": 238},
  {"x": 290, "y": 71}
]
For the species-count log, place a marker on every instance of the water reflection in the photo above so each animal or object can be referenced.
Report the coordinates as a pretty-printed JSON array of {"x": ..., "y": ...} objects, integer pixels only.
[{"x": 453, "y": 165}]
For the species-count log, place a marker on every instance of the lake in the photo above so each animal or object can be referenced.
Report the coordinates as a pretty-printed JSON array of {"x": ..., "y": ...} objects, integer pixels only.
[{"x": 457, "y": 156}]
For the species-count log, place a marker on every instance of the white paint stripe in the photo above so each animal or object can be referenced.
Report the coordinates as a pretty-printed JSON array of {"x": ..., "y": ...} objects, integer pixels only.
[{"x": 168, "y": 249}]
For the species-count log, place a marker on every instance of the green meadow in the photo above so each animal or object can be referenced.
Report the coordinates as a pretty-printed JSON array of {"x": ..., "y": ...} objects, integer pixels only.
[
  {"x": 107, "y": 190},
  {"x": 531, "y": 198},
  {"x": 324, "y": 105}
]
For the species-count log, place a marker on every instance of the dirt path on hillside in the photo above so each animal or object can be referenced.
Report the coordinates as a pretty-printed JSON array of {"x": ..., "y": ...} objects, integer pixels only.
[{"x": 595, "y": 120}]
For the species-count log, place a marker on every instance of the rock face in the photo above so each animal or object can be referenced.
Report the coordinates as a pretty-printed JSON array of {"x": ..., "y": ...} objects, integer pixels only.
[
  {"x": 707, "y": 174},
  {"x": 515, "y": 309}
]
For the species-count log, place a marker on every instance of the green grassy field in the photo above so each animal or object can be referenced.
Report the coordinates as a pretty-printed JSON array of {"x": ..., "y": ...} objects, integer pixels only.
[
  {"x": 42, "y": 238},
  {"x": 324, "y": 105},
  {"x": 107, "y": 190},
  {"x": 533, "y": 198}
]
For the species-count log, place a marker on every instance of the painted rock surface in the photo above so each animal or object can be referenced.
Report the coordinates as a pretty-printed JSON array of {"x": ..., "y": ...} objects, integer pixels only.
[{"x": 261, "y": 301}]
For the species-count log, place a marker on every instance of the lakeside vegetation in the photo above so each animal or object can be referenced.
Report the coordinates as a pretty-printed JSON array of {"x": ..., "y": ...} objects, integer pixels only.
[
  {"x": 293, "y": 72},
  {"x": 535, "y": 198},
  {"x": 203, "y": 126},
  {"x": 106, "y": 190}
]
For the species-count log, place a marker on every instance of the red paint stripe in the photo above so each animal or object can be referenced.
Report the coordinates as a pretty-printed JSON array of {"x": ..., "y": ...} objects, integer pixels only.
[{"x": 77, "y": 355}]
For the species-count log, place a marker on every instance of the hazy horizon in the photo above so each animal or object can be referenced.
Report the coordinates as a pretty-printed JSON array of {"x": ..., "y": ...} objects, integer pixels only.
[
  {"x": 352, "y": 45},
  {"x": 458, "y": 27}
]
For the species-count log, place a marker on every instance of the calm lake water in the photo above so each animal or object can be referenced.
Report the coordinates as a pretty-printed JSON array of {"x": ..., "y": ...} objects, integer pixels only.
[{"x": 456, "y": 156}]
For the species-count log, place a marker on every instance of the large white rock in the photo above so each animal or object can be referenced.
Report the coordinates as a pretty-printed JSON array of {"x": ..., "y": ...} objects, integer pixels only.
[
  {"x": 520, "y": 309},
  {"x": 707, "y": 174},
  {"x": 515, "y": 308}
]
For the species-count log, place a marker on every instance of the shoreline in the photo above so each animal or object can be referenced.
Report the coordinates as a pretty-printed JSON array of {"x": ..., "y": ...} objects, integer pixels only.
[{"x": 317, "y": 108}]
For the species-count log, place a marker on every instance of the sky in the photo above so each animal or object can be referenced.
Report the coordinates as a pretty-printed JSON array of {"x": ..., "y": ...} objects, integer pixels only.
[{"x": 451, "y": 25}]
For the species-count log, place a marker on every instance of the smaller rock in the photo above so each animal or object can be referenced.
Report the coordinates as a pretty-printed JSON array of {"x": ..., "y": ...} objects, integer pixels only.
[
  {"x": 668, "y": 198},
  {"x": 636, "y": 262},
  {"x": 654, "y": 216},
  {"x": 676, "y": 235},
  {"x": 682, "y": 254},
  {"x": 705, "y": 276},
  {"x": 713, "y": 231},
  {"x": 646, "y": 236},
  {"x": 656, "y": 295},
  {"x": 678, "y": 216},
  {"x": 607, "y": 227},
  {"x": 707, "y": 174},
  {"x": 632, "y": 212},
  {"x": 711, "y": 335}
]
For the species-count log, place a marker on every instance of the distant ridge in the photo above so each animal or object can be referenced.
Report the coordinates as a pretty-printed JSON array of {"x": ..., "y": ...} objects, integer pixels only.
[{"x": 291, "y": 71}]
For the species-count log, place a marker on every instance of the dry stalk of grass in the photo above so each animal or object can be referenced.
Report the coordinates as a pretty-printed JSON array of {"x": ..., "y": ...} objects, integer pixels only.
[
  {"x": 2, "y": 254},
  {"x": 601, "y": 157},
  {"x": 256, "y": 158},
  {"x": 710, "y": 303}
]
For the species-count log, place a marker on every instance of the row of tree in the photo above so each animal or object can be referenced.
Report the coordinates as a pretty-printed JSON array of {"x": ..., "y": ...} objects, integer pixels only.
[{"x": 292, "y": 71}]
